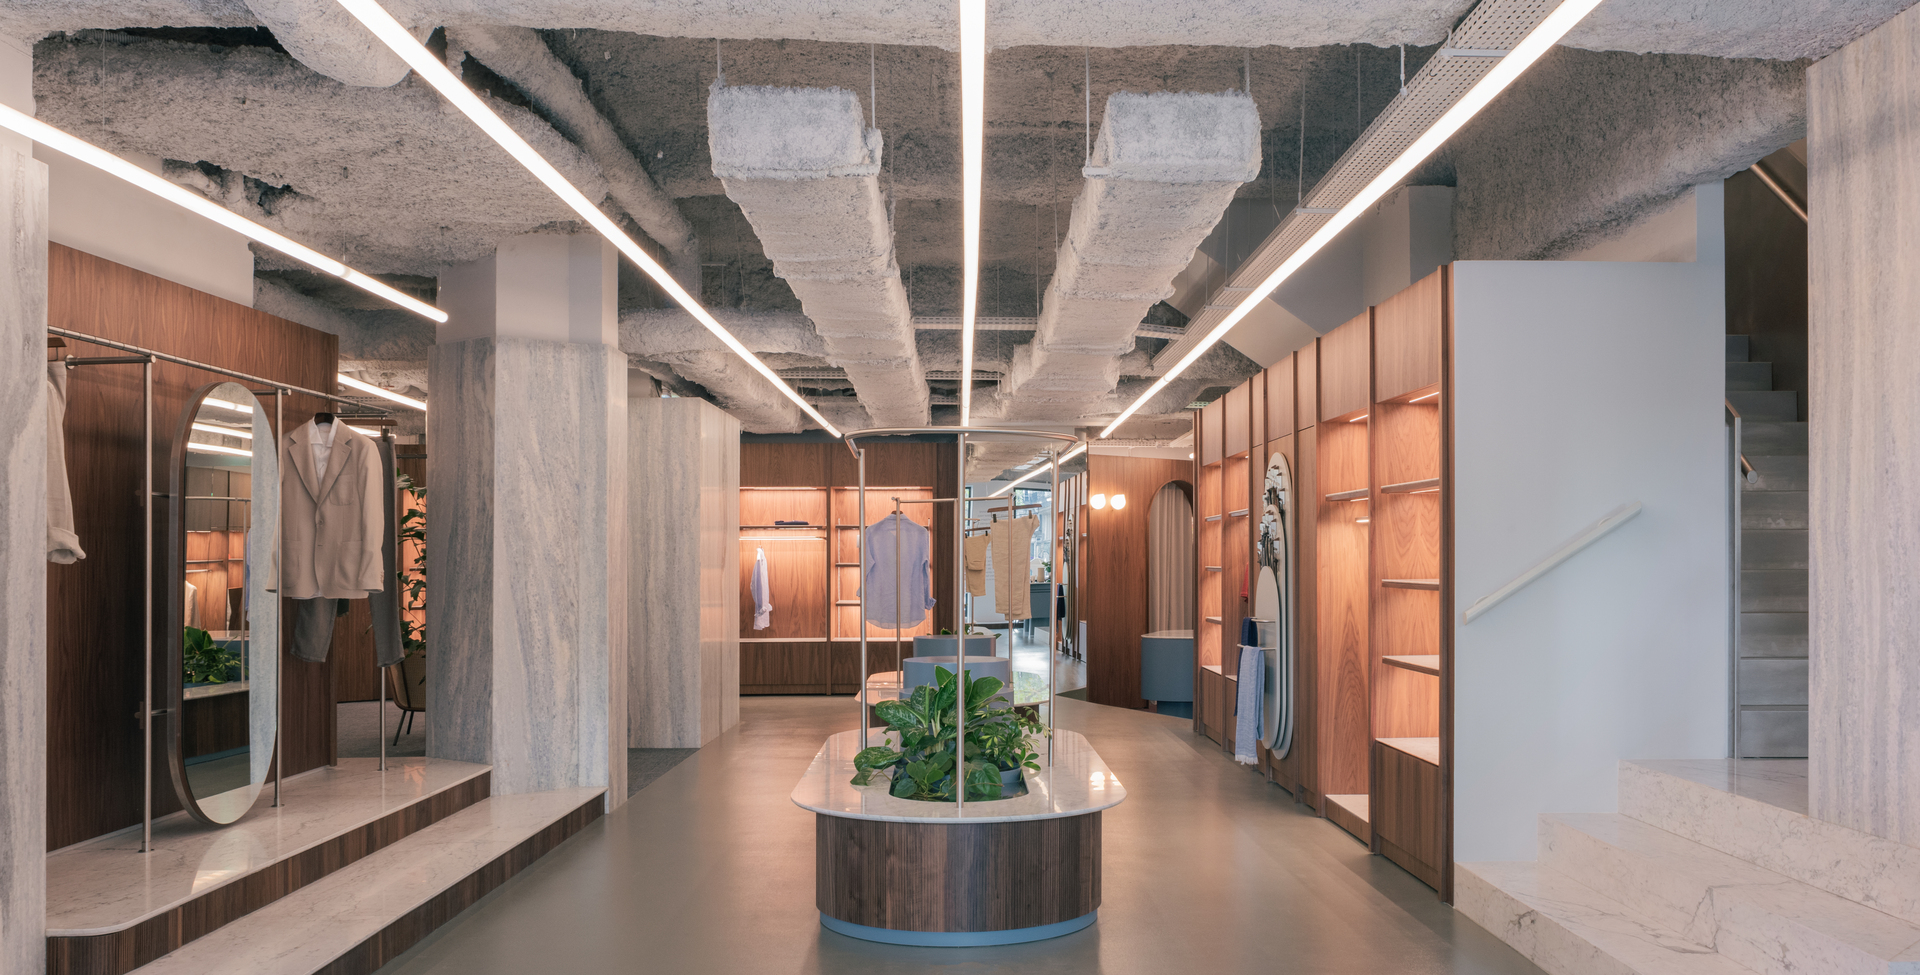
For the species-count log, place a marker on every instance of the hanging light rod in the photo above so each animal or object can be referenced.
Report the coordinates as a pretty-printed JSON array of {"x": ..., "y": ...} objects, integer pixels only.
[
  {"x": 352, "y": 383},
  {"x": 112, "y": 165},
  {"x": 1039, "y": 470},
  {"x": 430, "y": 68},
  {"x": 973, "y": 123},
  {"x": 1511, "y": 66}
]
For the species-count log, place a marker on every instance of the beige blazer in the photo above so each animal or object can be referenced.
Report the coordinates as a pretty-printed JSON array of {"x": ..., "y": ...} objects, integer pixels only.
[{"x": 330, "y": 527}]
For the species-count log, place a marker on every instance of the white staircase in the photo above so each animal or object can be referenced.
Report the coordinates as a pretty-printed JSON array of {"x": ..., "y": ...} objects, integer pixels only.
[{"x": 1709, "y": 867}]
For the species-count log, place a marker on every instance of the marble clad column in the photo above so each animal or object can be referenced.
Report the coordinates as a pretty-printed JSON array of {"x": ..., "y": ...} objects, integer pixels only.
[
  {"x": 1864, "y": 410},
  {"x": 23, "y": 533},
  {"x": 527, "y": 469}
]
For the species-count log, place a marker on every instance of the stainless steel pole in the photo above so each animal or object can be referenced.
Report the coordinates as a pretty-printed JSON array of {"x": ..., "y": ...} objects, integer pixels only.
[
  {"x": 1053, "y": 604},
  {"x": 860, "y": 462},
  {"x": 960, "y": 641},
  {"x": 379, "y": 672},
  {"x": 900, "y": 669},
  {"x": 146, "y": 624},
  {"x": 279, "y": 660}
]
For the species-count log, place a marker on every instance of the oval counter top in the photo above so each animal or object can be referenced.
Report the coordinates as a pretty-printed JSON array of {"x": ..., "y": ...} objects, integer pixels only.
[{"x": 1077, "y": 783}]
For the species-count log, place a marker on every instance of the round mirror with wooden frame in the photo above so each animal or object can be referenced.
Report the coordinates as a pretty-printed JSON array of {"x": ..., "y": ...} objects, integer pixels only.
[{"x": 221, "y": 678}]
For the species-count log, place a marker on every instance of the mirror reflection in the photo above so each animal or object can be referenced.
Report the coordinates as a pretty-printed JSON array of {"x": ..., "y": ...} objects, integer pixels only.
[{"x": 227, "y": 640}]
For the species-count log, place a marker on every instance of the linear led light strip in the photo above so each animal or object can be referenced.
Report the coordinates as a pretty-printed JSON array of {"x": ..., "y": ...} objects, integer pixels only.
[
  {"x": 423, "y": 63},
  {"x": 1038, "y": 470},
  {"x": 973, "y": 110},
  {"x": 1529, "y": 50},
  {"x": 92, "y": 155},
  {"x": 408, "y": 401}
]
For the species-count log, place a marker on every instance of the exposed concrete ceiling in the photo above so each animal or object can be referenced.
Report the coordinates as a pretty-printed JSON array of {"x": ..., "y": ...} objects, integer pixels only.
[{"x": 305, "y": 129}]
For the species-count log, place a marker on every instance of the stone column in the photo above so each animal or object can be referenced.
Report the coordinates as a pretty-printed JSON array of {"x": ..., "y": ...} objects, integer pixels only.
[
  {"x": 1863, "y": 254},
  {"x": 527, "y": 522},
  {"x": 23, "y": 532}
]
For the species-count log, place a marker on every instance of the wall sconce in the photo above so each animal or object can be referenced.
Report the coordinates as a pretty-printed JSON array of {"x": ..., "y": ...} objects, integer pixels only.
[
  {"x": 1119, "y": 501},
  {"x": 1098, "y": 501}
]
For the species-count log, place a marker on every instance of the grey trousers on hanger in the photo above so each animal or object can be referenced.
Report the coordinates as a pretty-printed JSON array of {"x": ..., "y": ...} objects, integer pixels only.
[
  {"x": 385, "y": 605},
  {"x": 313, "y": 627}
]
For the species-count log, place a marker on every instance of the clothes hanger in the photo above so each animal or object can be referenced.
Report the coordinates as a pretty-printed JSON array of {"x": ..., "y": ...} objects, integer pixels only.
[{"x": 322, "y": 418}]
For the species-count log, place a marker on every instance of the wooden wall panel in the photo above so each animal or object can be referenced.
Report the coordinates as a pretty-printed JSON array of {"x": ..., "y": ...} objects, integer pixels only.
[
  {"x": 1113, "y": 597},
  {"x": 796, "y": 583},
  {"x": 1212, "y": 436},
  {"x": 1406, "y": 337},
  {"x": 786, "y": 464},
  {"x": 1406, "y": 816},
  {"x": 1345, "y": 372},
  {"x": 94, "y": 657},
  {"x": 784, "y": 668},
  {"x": 1306, "y": 386},
  {"x": 1236, "y": 418},
  {"x": 1342, "y": 611},
  {"x": 1279, "y": 399},
  {"x": 1306, "y": 637}
]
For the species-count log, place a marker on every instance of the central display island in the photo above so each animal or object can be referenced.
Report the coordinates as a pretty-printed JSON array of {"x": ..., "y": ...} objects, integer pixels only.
[{"x": 990, "y": 872}]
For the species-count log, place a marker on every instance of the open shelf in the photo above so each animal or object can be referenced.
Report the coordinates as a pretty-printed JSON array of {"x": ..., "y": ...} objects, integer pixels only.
[
  {"x": 1419, "y": 663},
  {"x": 1213, "y": 619},
  {"x": 1357, "y": 494},
  {"x": 1242, "y": 513},
  {"x": 1431, "y": 484},
  {"x": 1213, "y": 568},
  {"x": 1431, "y": 585},
  {"x": 1424, "y": 749},
  {"x": 1215, "y": 517}
]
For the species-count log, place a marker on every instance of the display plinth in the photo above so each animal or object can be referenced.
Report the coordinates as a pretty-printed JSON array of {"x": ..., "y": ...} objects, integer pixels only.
[{"x": 926, "y": 873}]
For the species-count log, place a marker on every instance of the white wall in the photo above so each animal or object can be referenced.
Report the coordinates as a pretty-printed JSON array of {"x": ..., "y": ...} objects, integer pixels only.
[
  {"x": 1691, "y": 228},
  {"x": 103, "y": 216},
  {"x": 1580, "y": 387}
]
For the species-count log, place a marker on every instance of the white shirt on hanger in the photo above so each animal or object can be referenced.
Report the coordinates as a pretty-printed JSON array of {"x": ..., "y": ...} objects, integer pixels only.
[{"x": 322, "y": 446}]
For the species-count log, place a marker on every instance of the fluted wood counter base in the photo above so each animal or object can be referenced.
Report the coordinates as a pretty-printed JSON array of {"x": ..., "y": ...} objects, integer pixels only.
[{"x": 957, "y": 883}]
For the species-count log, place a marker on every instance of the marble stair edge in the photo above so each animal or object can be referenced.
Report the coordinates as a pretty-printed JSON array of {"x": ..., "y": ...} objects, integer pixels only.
[{"x": 1868, "y": 870}]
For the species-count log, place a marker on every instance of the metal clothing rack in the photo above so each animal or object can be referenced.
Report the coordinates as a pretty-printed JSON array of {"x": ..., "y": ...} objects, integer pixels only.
[
  {"x": 146, "y": 358},
  {"x": 959, "y": 580}
]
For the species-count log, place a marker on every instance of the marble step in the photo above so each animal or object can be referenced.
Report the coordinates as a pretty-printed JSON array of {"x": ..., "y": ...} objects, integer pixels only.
[
  {"x": 1768, "y": 404},
  {"x": 1749, "y": 375},
  {"x": 1773, "y": 511},
  {"x": 359, "y": 918},
  {"x": 1756, "y": 810},
  {"x": 1568, "y": 928},
  {"x": 1750, "y": 915}
]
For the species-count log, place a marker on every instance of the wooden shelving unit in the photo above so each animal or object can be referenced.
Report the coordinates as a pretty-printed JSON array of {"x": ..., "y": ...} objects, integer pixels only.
[
  {"x": 1209, "y": 637},
  {"x": 1343, "y": 546}
]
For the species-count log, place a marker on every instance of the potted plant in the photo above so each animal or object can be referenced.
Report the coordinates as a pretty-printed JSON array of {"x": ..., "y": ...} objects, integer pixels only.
[
  {"x": 930, "y": 758},
  {"x": 204, "y": 661}
]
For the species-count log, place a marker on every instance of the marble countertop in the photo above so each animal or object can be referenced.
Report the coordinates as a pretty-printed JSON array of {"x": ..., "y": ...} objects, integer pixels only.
[
  {"x": 106, "y": 884},
  {"x": 1077, "y": 783}
]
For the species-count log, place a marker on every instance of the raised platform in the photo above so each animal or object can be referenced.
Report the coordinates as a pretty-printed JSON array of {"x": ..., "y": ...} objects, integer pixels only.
[{"x": 1711, "y": 866}]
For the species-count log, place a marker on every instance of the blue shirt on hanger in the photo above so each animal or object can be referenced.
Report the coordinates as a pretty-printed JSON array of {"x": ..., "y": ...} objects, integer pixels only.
[{"x": 909, "y": 577}]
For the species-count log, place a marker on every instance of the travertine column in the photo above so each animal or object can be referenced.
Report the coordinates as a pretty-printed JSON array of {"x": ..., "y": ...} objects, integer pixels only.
[
  {"x": 23, "y": 533},
  {"x": 527, "y": 572},
  {"x": 1863, "y": 252}
]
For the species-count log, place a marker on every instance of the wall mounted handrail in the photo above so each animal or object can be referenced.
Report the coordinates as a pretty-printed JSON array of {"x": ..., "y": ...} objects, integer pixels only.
[{"x": 1587, "y": 536}]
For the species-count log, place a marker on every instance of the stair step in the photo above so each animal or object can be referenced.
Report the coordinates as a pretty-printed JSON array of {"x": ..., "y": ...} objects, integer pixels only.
[
  {"x": 1773, "y": 732},
  {"x": 1773, "y": 590},
  {"x": 1739, "y": 348},
  {"x": 1756, "y": 810},
  {"x": 1773, "y": 548},
  {"x": 1749, "y": 375},
  {"x": 1777, "y": 472},
  {"x": 1567, "y": 928},
  {"x": 1747, "y": 914},
  {"x": 1761, "y": 437},
  {"x": 1774, "y": 510},
  {"x": 1755, "y": 404},
  {"x": 1773, "y": 634},
  {"x": 360, "y": 917},
  {"x": 1773, "y": 681}
]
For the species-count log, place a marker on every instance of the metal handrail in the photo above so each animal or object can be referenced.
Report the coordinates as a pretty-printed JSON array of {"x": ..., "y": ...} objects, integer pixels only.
[
  {"x": 1587, "y": 536},
  {"x": 1743, "y": 471}
]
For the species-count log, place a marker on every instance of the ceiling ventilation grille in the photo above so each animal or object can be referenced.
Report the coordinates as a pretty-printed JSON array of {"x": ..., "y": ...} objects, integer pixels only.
[{"x": 1493, "y": 28}]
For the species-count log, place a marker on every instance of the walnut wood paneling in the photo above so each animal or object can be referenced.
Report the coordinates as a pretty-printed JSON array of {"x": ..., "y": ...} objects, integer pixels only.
[
  {"x": 786, "y": 464},
  {"x": 94, "y": 655},
  {"x": 1236, "y": 556},
  {"x": 1406, "y": 703},
  {"x": 1208, "y": 590},
  {"x": 1345, "y": 368},
  {"x": 1306, "y": 637},
  {"x": 784, "y": 668},
  {"x": 1306, "y": 386},
  {"x": 948, "y": 877},
  {"x": 1236, "y": 419},
  {"x": 796, "y": 584},
  {"x": 1406, "y": 338},
  {"x": 123, "y": 951},
  {"x": 1212, "y": 435},
  {"x": 1342, "y": 610},
  {"x": 844, "y": 663},
  {"x": 356, "y": 674},
  {"x": 761, "y": 507},
  {"x": 1113, "y": 597},
  {"x": 1405, "y": 812},
  {"x": 1279, "y": 399},
  {"x": 1447, "y": 393}
]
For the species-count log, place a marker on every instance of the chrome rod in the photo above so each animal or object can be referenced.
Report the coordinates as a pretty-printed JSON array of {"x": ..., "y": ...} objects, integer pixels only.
[
  {"x": 960, "y": 621},
  {"x": 146, "y": 625},
  {"x": 860, "y": 461},
  {"x": 280, "y": 662},
  {"x": 1053, "y": 603},
  {"x": 205, "y": 367}
]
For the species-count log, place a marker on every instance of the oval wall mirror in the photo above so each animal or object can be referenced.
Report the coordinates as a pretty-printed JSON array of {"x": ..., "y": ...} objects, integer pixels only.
[{"x": 222, "y": 669}]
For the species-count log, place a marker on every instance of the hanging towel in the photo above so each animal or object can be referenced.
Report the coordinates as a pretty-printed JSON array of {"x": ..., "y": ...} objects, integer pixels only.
[
  {"x": 762, "y": 595},
  {"x": 1246, "y": 708},
  {"x": 63, "y": 546}
]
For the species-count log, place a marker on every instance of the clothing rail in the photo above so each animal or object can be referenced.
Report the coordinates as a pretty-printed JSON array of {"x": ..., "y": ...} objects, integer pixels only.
[{"x": 204, "y": 367}]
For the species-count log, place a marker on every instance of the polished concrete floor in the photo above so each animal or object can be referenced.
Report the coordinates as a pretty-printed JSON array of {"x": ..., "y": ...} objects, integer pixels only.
[{"x": 1208, "y": 869}]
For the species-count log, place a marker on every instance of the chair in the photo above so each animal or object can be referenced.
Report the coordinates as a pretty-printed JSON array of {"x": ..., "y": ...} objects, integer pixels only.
[{"x": 407, "y": 681}]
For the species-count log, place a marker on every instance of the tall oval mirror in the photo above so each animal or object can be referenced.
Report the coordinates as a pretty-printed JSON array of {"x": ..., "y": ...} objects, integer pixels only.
[{"x": 223, "y": 670}]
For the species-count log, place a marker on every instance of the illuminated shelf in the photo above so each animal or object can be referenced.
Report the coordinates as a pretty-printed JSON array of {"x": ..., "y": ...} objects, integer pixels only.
[
  {"x": 1430, "y": 585},
  {"x": 1357, "y": 494},
  {"x": 1431, "y": 484},
  {"x": 1426, "y": 663}
]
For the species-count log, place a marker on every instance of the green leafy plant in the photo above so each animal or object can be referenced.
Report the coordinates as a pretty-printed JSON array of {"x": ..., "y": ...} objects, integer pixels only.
[
  {"x": 930, "y": 752},
  {"x": 202, "y": 660}
]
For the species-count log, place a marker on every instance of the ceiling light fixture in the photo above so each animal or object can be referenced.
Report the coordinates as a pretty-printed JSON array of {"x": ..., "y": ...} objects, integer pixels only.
[
  {"x": 113, "y": 165},
  {"x": 435, "y": 72},
  {"x": 226, "y": 405},
  {"x": 210, "y": 448},
  {"x": 224, "y": 431},
  {"x": 1036, "y": 472},
  {"x": 409, "y": 401},
  {"x": 973, "y": 123},
  {"x": 1516, "y": 61}
]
